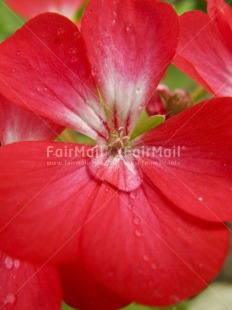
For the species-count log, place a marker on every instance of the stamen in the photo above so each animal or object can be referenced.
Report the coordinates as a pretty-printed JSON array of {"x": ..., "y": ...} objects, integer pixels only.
[{"x": 118, "y": 141}]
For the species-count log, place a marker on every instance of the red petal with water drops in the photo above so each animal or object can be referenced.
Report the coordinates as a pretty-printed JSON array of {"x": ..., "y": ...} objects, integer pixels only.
[
  {"x": 203, "y": 53},
  {"x": 17, "y": 124},
  {"x": 29, "y": 9},
  {"x": 27, "y": 286},
  {"x": 191, "y": 161},
  {"x": 128, "y": 56},
  {"x": 82, "y": 291},
  {"x": 46, "y": 198},
  {"x": 144, "y": 248},
  {"x": 43, "y": 67}
]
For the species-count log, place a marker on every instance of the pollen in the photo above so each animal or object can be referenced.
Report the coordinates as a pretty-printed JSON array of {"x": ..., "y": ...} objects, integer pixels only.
[{"x": 118, "y": 142}]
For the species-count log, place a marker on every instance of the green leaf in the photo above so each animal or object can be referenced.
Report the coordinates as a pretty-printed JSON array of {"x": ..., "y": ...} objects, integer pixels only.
[
  {"x": 9, "y": 21},
  {"x": 66, "y": 307},
  {"x": 146, "y": 125},
  {"x": 134, "y": 306}
]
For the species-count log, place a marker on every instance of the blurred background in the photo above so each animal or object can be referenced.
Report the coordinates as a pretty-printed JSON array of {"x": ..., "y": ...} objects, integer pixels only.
[{"x": 218, "y": 296}]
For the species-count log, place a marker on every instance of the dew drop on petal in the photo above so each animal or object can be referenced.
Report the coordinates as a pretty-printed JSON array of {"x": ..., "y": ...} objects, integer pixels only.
[
  {"x": 200, "y": 199},
  {"x": 17, "y": 263},
  {"x": 128, "y": 28},
  {"x": 8, "y": 262},
  {"x": 107, "y": 189},
  {"x": 130, "y": 206},
  {"x": 145, "y": 257},
  {"x": 113, "y": 22},
  {"x": 153, "y": 266},
  {"x": 94, "y": 71},
  {"x": 138, "y": 90},
  {"x": 174, "y": 299},
  {"x": 74, "y": 59},
  {"x": 72, "y": 50},
  {"x": 60, "y": 31},
  {"x": 10, "y": 299},
  {"x": 132, "y": 195},
  {"x": 138, "y": 233},
  {"x": 76, "y": 35},
  {"x": 136, "y": 221},
  {"x": 18, "y": 52}
]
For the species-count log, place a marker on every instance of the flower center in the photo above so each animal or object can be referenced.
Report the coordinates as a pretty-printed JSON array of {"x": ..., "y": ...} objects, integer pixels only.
[{"x": 118, "y": 142}]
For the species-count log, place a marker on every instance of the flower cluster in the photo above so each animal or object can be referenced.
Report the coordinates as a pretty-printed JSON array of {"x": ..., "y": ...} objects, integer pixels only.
[{"x": 139, "y": 212}]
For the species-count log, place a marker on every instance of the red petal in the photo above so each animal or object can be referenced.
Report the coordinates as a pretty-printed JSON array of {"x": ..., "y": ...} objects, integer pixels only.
[
  {"x": 128, "y": 56},
  {"x": 221, "y": 13},
  {"x": 198, "y": 179},
  {"x": 31, "y": 8},
  {"x": 17, "y": 124},
  {"x": 46, "y": 194},
  {"x": 82, "y": 291},
  {"x": 26, "y": 286},
  {"x": 203, "y": 53},
  {"x": 145, "y": 249},
  {"x": 44, "y": 69},
  {"x": 121, "y": 237}
]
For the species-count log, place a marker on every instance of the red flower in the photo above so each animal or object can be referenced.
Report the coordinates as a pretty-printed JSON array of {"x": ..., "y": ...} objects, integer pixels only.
[
  {"x": 136, "y": 220},
  {"x": 24, "y": 285},
  {"x": 205, "y": 51},
  {"x": 29, "y": 9}
]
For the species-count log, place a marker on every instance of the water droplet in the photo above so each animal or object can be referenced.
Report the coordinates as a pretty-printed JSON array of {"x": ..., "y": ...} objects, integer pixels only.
[
  {"x": 107, "y": 189},
  {"x": 44, "y": 35},
  {"x": 140, "y": 109},
  {"x": 94, "y": 71},
  {"x": 130, "y": 206},
  {"x": 74, "y": 59},
  {"x": 128, "y": 28},
  {"x": 138, "y": 233},
  {"x": 132, "y": 195},
  {"x": 145, "y": 257},
  {"x": 10, "y": 299},
  {"x": 60, "y": 31},
  {"x": 18, "y": 52},
  {"x": 113, "y": 22},
  {"x": 17, "y": 263},
  {"x": 77, "y": 35},
  {"x": 136, "y": 221},
  {"x": 8, "y": 262},
  {"x": 138, "y": 90},
  {"x": 200, "y": 198},
  {"x": 72, "y": 50},
  {"x": 174, "y": 298},
  {"x": 153, "y": 266},
  {"x": 39, "y": 89}
]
